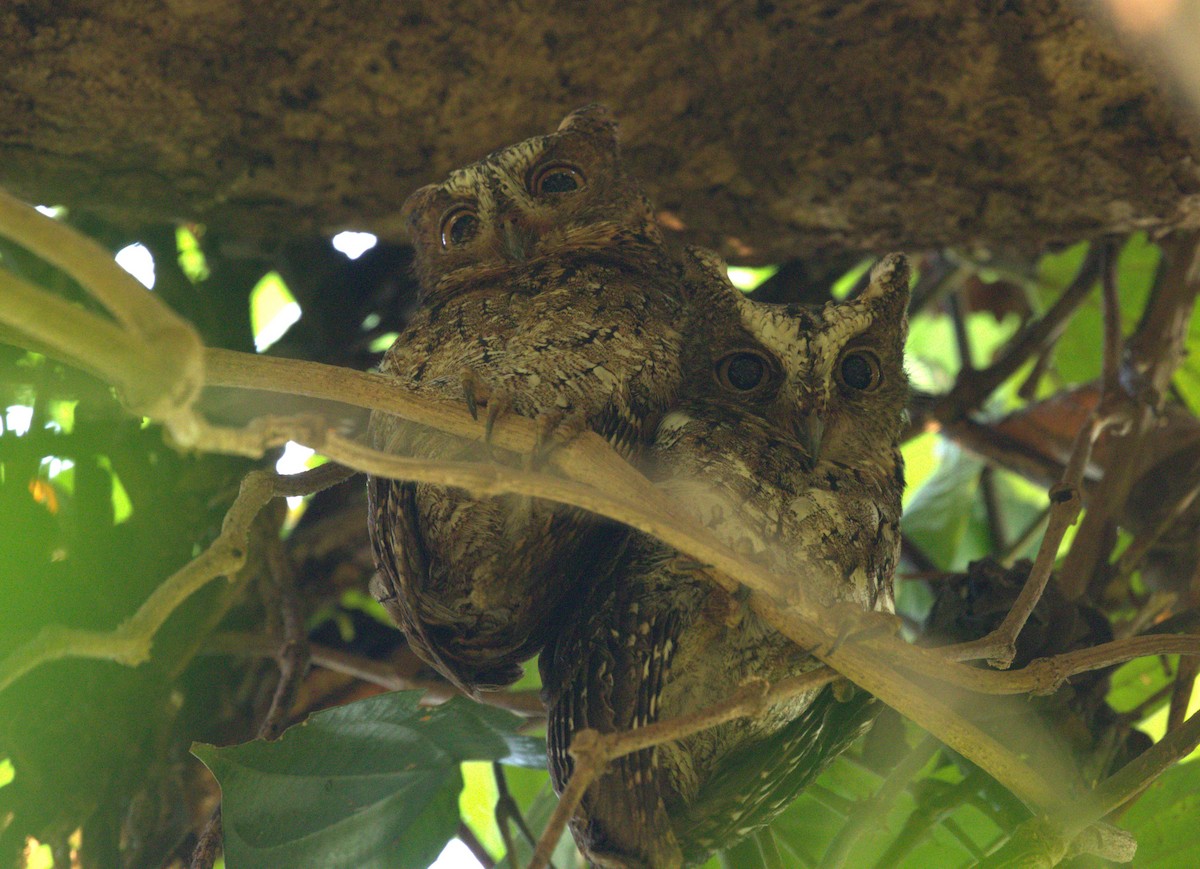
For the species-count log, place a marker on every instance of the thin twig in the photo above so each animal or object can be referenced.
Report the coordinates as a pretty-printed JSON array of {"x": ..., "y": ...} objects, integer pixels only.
[
  {"x": 1111, "y": 364},
  {"x": 975, "y": 385},
  {"x": 508, "y": 810},
  {"x": 208, "y": 846},
  {"x": 130, "y": 642},
  {"x": 875, "y": 807},
  {"x": 1181, "y": 693},
  {"x": 1141, "y": 772},
  {"x": 958, "y": 317},
  {"x": 992, "y": 509},
  {"x": 592, "y": 750},
  {"x": 1151, "y": 357},
  {"x": 467, "y": 836},
  {"x": 999, "y": 647},
  {"x": 1009, "y": 555},
  {"x": 525, "y": 703},
  {"x": 1046, "y": 675},
  {"x": 1143, "y": 543},
  {"x": 294, "y": 654}
]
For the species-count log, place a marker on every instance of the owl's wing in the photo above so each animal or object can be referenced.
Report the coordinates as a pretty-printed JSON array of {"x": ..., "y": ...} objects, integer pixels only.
[
  {"x": 402, "y": 562},
  {"x": 754, "y": 784},
  {"x": 605, "y": 670}
]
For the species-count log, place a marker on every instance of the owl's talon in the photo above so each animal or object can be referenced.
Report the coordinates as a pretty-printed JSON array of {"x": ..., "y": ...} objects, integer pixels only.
[
  {"x": 475, "y": 391},
  {"x": 554, "y": 429},
  {"x": 498, "y": 406}
]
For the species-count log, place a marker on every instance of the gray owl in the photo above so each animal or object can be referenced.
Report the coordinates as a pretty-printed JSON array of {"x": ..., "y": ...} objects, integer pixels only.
[
  {"x": 546, "y": 291},
  {"x": 785, "y": 445}
]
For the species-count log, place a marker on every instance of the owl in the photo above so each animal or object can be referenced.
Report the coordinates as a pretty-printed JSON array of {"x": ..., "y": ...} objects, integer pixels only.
[
  {"x": 545, "y": 291},
  {"x": 784, "y": 443}
]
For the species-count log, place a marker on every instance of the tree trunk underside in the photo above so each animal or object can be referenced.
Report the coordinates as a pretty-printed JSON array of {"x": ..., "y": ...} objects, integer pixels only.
[{"x": 767, "y": 131}]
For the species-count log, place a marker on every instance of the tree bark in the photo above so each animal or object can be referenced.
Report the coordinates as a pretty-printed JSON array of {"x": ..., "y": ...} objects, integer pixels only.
[{"x": 767, "y": 130}]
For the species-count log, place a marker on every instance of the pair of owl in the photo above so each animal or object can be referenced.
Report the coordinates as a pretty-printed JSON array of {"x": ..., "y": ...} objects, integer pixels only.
[{"x": 548, "y": 291}]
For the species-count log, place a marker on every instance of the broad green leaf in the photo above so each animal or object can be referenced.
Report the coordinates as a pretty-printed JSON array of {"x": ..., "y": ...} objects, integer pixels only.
[
  {"x": 477, "y": 804},
  {"x": 746, "y": 279},
  {"x": 920, "y": 462},
  {"x": 373, "y": 783},
  {"x": 939, "y": 515},
  {"x": 1138, "y": 680},
  {"x": 273, "y": 309},
  {"x": 1187, "y": 379},
  {"x": 1164, "y": 820},
  {"x": 1077, "y": 355},
  {"x": 1056, "y": 270}
]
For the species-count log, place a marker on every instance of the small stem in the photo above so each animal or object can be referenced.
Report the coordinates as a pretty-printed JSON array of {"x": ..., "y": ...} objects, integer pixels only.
[
  {"x": 525, "y": 703},
  {"x": 294, "y": 654},
  {"x": 992, "y": 508},
  {"x": 1111, "y": 364},
  {"x": 974, "y": 386},
  {"x": 467, "y": 836},
  {"x": 999, "y": 647},
  {"x": 875, "y": 808},
  {"x": 593, "y": 750},
  {"x": 1009, "y": 556},
  {"x": 1140, "y": 773},
  {"x": 208, "y": 846},
  {"x": 1181, "y": 694}
]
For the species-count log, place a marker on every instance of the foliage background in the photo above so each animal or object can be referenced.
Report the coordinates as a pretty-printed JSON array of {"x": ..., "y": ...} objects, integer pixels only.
[{"x": 1043, "y": 129}]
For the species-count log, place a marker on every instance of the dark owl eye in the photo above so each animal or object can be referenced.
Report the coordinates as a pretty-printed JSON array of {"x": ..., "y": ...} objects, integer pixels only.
[
  {"x": 860, "y": 370},
  {"x": 555, "y": 178},
  {"x": 743, "y": 371},
  {"x": 458, "y": 227}
]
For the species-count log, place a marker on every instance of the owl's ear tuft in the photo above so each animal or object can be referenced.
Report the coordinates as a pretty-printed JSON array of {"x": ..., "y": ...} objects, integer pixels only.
[
  {"x": 705, "y": 274},
  {"x": 889, "y": 276},
  {"x": 595, "y": 120},
  {"x": 416, "y": 201}
]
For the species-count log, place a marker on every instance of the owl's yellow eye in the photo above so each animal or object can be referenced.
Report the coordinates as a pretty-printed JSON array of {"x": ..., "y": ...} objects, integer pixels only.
[
  {"x": 859, "y": 370},
  {"x": 744, "y": 371},
  {"x": 556, "y": 178},
  {"x": 459, "y": 226}
]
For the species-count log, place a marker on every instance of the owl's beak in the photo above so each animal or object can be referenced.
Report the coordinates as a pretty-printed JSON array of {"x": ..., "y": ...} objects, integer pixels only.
[
  {"x": 810, "y": 430},
  {"x": 517, "y": 239}
]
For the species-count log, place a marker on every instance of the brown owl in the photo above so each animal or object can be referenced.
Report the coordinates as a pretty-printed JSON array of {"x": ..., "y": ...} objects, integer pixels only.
[
  {"x": 784, "y": 444},
  {"x": 546, "y": 292}
]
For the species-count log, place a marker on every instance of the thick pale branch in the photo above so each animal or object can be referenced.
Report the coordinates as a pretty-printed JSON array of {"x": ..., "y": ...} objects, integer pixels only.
[
  {"x": 89, "y": 264},
  {"x": 47, "y": 323},
  {"x": 173, "y": 382}
]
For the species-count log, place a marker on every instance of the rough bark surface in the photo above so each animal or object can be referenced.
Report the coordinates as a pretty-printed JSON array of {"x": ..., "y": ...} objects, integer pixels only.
[{"x": 767, "y": 130}]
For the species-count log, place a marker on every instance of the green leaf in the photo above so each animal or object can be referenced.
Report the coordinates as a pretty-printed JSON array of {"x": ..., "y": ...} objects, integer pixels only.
[
  {"x": 939, "y": 515},
  {"x": 1076, "y": 355},
  {"x": 746, "y": 279},
  {"x": 1164, "y": 820},
  {"x": 1137, "y": 681},
  {"x": 273, "y": 309},
  {"x": 477, "y": 804},
  {"x": 1187, "y": 379},
  {"x": 373, "y": 783}
]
